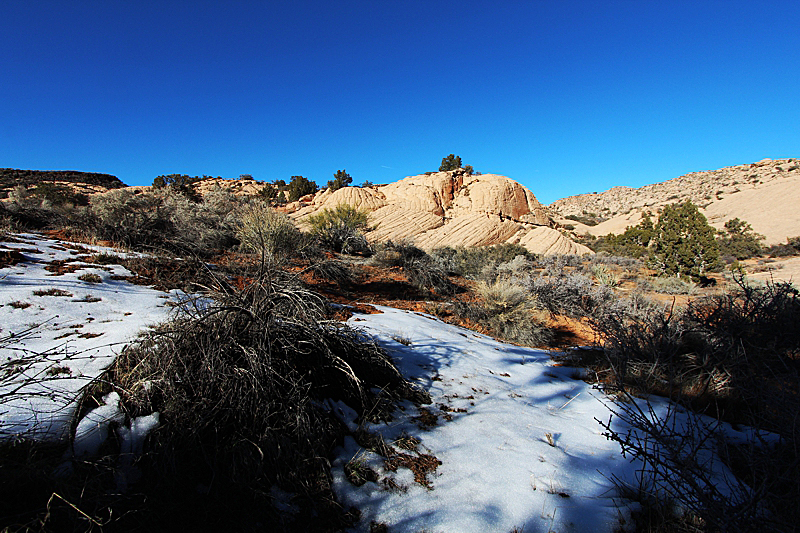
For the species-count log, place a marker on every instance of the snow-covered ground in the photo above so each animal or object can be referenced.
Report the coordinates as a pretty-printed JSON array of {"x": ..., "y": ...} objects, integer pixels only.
[
  {"x": 510, "y": 442},
  {"x": 57, "y": 332},
  {"x": 516, "y": 436}
]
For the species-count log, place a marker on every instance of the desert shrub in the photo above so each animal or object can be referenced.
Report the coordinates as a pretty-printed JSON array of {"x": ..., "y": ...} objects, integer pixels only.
[
  {"x": 570, "y": 294},
  {"x": 340, "y": 228},
  {"x": 739, "y": 240},
  {"x": 299, "y": 187},
  {"x": 166, "y": 218},
  {"x": 587, "y": 220},
  {"x": 605, "y": 276},
  {"x": 340, "y": 179},
  {"x": 133, "y": 219},
  {"x": 474, "y": 261},
  {"x": 792, "y": 247},
  {"x": 180, "y": 184},
  {"x": 267, "y": 233},
  {"x": 23, "y": 211},
  {"x": 670, "y": 285},
  {"x": 732, "y": 356},
  {"x": 556, "y": 265},
  {"x": 451, "y": 162},
  {"x": 506, "y": 310},
  {"x": 421, "y": 269},
  {"x": 207, "y": 226},
  {"x": 57, "y": 195},
  {"x": 716, "y": 347},
  {"x": 518, "y": 269}
]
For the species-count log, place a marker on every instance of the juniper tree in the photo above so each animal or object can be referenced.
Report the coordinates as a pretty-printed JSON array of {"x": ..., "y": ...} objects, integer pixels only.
[
  {"x": 684, "y": 242},
  {"x": 739, "y": 240},
  {"x": 299, "y": 187},
  {"x": 340, "y": 179},
  {"x": 451, "y": 162}
]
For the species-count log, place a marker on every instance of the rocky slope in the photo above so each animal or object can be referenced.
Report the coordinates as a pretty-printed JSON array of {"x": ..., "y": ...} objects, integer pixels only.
[
  {"x": 766, "y": 194},
  {"x": 449, "y": 209}
]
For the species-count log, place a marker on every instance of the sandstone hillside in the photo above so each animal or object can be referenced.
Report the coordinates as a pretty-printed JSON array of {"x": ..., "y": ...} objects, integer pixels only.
[
  {"x": 766, "y": 194},
  {"x": 449, "y": 209}
]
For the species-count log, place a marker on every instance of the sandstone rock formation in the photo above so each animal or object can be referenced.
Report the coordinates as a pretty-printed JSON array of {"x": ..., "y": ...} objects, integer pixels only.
[
  {"x": 765, "y": 194},
  {"x": 449, "y": 209},
  {"x": 240, "y": 187}
]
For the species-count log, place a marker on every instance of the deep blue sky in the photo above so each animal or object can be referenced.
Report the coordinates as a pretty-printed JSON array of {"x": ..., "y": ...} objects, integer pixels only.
[{"x": 563, "y": 96}]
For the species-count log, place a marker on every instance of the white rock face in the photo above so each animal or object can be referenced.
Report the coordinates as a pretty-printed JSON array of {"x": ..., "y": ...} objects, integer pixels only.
[{"x": 449, "y": 209}]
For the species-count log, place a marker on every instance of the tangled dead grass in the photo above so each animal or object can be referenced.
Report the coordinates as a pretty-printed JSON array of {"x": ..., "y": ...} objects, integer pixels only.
[{"x": 245, "y": 383}]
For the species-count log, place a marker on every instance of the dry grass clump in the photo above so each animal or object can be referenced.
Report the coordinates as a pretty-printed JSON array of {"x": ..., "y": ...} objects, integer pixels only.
[
  {"x": 90, "y": 277},
  {"x": 507, "y": 311}
]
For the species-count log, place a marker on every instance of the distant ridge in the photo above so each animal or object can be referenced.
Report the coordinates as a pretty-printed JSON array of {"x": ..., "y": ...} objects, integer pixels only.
[
  {"x": 765, "y": 194},
  {"x": 11, "y": 177}
]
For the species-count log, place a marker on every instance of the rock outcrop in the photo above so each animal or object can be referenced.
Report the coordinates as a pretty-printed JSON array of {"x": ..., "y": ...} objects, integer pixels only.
[
  {"x": 449, "y": 209},
  {"x": 765, "y": 194}
]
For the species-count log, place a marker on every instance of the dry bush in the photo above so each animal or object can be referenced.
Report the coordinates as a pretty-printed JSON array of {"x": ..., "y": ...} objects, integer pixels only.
[
  {"x": 733, "y": 356},
  {"x": 165, "y": 218},
  {"x": 422, "y": 270},
  {"x": 133, "y": 219},
  {"x": 570, "y": 294},
  {"x": 478, "y": 262},
  {"x": 268, "y": 233},
  {"x": 241, "y": 385}
]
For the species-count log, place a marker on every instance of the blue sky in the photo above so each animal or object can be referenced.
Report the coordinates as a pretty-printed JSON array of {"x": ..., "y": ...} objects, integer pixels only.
[{"x": 564, "y": 96}]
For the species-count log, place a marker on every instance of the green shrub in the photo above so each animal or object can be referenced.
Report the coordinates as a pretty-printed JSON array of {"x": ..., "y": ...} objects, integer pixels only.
[
  {"x": 340, "y": 228},
  {"x": 299, "y": 187},
  {"x": 792, "y": 247},
  {"x": 57, "y": 195},
  {"x": 739, "y": 240},
  {"x": 451, "y": 162}
]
